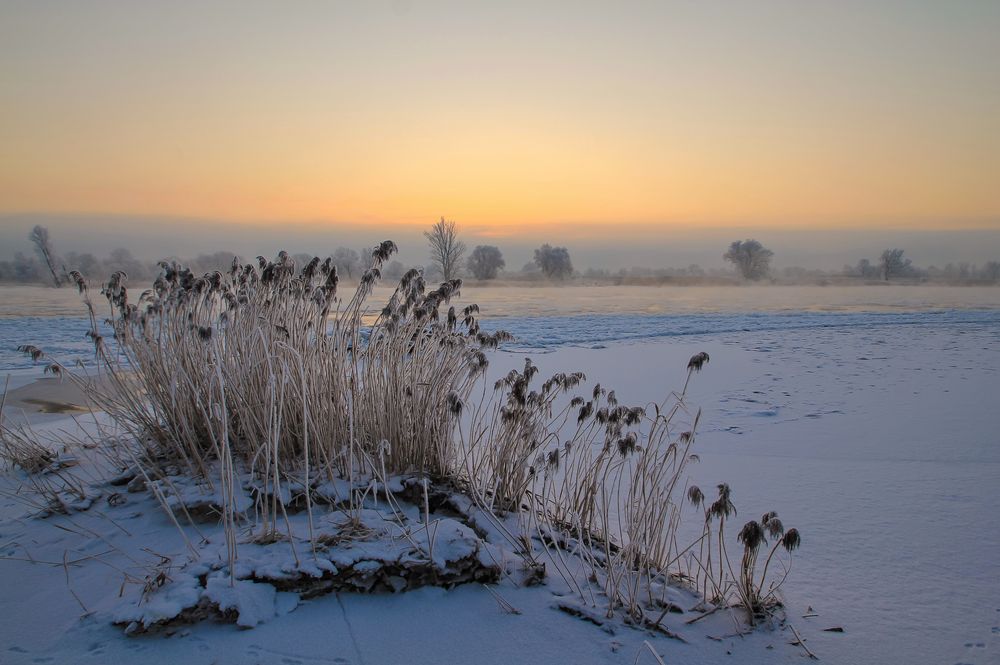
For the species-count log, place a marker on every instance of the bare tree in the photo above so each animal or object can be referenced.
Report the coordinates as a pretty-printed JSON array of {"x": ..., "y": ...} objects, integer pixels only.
[
  {"x": 39, "y": 236},
  {"x": 893, "y": 264},
  {"x": 554, "y": 261},
  {"x": 751, "y": 258},
  {"x": 485, "y": 262},
  {"x": 446, "y": 249}
]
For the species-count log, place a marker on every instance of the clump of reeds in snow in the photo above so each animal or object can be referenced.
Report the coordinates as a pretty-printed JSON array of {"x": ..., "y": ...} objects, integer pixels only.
[
  {"x": 502, "y": 457},
  {"x": 269, "y": 364},
  {"x": 751, "y": 589},
  {"x": 756, "y": 593},
  {"x": 267, "y": 369},
  {"x": 594, "y": 477}
]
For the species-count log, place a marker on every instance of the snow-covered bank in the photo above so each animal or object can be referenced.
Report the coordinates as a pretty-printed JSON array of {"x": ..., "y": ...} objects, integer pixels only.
[
  {"x": 118, "y": 559},
  {"x": 882, "y": 444},
  {"x": 878, "y": 442}
]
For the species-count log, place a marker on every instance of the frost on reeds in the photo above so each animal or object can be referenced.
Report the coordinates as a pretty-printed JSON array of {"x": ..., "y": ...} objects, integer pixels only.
[
  {"x": 273, "y": 393},
  {"x": 752, "y": 588},
  {"x": 267, "y": 365}
]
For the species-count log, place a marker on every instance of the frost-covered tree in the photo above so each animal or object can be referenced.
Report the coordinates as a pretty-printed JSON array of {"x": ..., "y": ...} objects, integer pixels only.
[
  {"x": 39, "y": 237},
  {"x": 348, "y": 262},
  {"x": 752, "y": 259},
  {"x": 446, "y": 249},
  {"x": 893, "y": 264},
  {"x": 554, "y": 261},
  {"x": 485, "y": 262}
]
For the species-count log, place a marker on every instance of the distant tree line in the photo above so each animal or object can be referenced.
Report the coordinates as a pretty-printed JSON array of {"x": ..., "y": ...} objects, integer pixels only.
[
  {"x": 46, "y": 266},
  {"x": 486, "y": 261},
  {"x": 448, "y": 259},
  {"x": 892, "y": 264}
]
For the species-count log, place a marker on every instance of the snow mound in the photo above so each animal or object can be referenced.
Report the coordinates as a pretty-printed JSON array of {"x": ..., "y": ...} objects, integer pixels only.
[{"x": 367, "y": 552}]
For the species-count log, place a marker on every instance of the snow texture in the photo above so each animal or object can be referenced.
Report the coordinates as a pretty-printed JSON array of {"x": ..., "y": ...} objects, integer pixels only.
[{"x": 875, "y": 436}]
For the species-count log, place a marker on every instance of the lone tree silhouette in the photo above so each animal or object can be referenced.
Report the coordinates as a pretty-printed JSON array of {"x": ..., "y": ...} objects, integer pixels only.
[
  {"x": 893, "y": 264},
  {"x": 446, "y": 249},
  {"x": 485, "y": 262},
  {"x": 39, "y": 236},
  {"x": 751, "y": 258},
  {"x": 554, "y": 261}
]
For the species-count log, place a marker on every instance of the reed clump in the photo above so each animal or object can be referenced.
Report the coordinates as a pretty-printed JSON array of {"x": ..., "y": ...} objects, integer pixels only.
[
  {"x": 268, "y": 378},
  {"x": 749, "y": 584},
  {"x": 269, "y": 365}
]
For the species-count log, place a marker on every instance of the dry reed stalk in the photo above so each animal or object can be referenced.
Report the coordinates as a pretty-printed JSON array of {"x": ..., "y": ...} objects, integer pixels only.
[{"x": 265, "y": 370}]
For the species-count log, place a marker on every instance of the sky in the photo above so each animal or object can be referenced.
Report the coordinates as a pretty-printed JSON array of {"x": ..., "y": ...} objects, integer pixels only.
[{"x": 621, "y": 127}]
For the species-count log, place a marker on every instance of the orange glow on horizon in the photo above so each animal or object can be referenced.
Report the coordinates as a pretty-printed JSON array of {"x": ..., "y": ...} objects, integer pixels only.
[{"x": 623, "y": 122}]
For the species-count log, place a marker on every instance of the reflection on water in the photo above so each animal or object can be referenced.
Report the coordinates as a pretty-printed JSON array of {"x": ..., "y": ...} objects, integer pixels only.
[{"x": 17, "y": 301}]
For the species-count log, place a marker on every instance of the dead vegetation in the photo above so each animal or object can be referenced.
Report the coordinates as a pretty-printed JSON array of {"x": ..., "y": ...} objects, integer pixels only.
[{"x": 263, "y": 400}]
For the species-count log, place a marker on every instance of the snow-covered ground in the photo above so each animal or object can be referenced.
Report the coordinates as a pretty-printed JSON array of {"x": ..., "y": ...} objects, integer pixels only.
[
  {"x": 876, "y": 434},
  {"x": 880, "y": 443}
]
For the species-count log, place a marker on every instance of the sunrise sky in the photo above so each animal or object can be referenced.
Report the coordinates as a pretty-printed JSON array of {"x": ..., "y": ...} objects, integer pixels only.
[{"x": 515, "y": 118}]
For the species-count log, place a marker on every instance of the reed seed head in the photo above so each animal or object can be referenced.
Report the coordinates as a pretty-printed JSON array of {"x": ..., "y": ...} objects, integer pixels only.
[
  {"x": 723, "y": 506},
  {"x": 31, "y": 350},
  {"x": 697, "y": 361},
  {"x": 791, "y": 541},
  {"x": 751, "y": 535}
]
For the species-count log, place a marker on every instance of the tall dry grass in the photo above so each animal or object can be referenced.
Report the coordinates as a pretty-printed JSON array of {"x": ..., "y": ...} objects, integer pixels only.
[
  {"x": 268, "y": 370},
  {"x": 268, "y": 364}
]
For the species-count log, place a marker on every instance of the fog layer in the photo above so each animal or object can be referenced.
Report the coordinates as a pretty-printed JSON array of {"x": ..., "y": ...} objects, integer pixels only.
[{"x": 611, "y": 247}]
